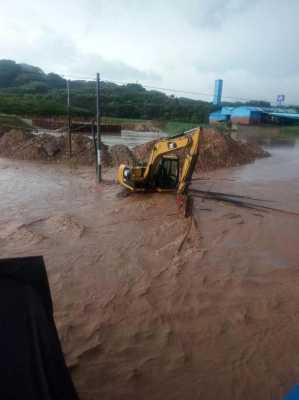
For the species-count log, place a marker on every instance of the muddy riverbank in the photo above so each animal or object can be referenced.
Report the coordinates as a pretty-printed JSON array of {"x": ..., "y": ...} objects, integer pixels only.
[
  {"x": 216, "y": 150},
  {"x": 154, "y": 306}
]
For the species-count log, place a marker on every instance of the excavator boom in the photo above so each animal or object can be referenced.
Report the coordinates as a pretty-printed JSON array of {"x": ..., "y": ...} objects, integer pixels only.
[{"x": 189, "y": 163}]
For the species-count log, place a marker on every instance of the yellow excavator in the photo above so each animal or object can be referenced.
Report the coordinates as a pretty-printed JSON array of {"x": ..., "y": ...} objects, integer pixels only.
[{"x": 162, "y": 171}]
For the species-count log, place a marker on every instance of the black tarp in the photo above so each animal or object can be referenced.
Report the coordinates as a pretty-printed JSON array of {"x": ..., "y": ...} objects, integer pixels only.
[{"x": 32, "y": 364}]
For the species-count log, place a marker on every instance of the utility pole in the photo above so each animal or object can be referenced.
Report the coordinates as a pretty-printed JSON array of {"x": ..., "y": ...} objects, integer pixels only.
[
  {"x": 69, "y": 117},
  {"x": 93, "y": 134},
  {"x": 99, "y": 143}
]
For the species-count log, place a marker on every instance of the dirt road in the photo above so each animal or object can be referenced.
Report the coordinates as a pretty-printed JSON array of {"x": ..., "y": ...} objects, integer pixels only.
[{"x": 152, "y": 306}]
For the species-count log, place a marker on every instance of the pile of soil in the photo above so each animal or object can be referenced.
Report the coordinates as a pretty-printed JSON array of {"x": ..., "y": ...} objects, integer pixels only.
[
  {"x": 221, "y": 151},
  {"x": 121, "y": 154},
  {"x": 83, "y": 151},
  {"x": 22, "y": 145},
  {"x": 216, "y": 151}
]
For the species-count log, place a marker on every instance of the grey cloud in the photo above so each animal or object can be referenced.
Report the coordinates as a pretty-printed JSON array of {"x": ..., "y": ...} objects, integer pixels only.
[
  {"x": 213, "y": 14},
  {"x": 81, "y": 65},
  {"x": 57, "y": 53},
  {"x": 251, "y": 44}
]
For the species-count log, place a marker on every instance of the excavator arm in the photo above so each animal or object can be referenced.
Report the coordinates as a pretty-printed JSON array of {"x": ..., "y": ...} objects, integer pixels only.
[{"x": 189, "y": 163}]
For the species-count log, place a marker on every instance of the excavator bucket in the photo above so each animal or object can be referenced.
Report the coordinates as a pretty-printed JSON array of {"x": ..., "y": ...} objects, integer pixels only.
[{"x": 32, "y": 364}]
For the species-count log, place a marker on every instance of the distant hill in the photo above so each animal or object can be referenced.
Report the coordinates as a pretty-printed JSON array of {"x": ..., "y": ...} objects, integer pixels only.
[
  {"x": 27, "y": 77},
  {"x": 28, "y": 90}
]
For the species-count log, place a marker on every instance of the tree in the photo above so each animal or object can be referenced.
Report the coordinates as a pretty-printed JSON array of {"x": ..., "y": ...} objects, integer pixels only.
[{"x": 8, "y": 72}]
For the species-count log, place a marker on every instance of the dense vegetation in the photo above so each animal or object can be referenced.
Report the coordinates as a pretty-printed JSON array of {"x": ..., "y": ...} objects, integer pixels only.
[{"x": 26, "y": 90}]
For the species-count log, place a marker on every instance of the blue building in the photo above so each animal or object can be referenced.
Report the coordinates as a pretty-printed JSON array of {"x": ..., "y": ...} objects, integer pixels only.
[
  {"x": 222, "y": 115},
  {"x": 248, "y": 115}
]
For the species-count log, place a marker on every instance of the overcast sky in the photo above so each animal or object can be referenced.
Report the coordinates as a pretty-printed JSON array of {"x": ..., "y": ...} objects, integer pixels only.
[{"x": 183, "y": 44}]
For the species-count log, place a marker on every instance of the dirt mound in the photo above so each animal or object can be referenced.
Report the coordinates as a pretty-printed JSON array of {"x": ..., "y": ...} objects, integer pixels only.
[
  {"x": 220, "y": 151},
  {"x": 121, "y": 154},
  {"x": 12, "y": 139},
  {"x": 216, "y": 151},
  {"x": 23, "y": 145},
  {"x": 83, "y": 151}
]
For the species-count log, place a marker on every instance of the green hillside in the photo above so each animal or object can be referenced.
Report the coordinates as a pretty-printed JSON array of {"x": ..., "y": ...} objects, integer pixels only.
[{"x": 27, "y": 90}]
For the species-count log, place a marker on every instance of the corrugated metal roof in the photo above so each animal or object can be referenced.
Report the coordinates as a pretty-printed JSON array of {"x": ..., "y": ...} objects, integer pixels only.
[
  {"x": 249, "y": 108},
  {"x": 227, "y": 110},
  {"x": 217, "y": 115},
  {"x": 245, "y": 110},
  {"x": 285, "y": 115}
]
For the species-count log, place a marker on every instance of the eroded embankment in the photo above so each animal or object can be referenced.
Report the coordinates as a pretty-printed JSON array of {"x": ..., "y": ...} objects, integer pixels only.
[{"x": 216, "y": 150}]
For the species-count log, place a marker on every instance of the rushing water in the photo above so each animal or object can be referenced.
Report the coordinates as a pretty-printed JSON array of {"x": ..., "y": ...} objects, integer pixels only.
[
  {"x": 32, "y": 187},
  {"x": 274, "y": 178},
  {"x": 228, "y": 304},
  {"x": 132, "y": 138},
  {"x": 282, "y": 165}
]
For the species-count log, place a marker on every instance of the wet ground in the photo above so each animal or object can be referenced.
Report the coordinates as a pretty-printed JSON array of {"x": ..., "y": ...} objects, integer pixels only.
[{"x": 150, "y": 305}]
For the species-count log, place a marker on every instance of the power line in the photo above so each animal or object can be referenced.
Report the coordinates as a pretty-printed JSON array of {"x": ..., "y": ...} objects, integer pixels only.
[
  {"x": 78, "y": 77},
  {"x": 173, "y": 90}
]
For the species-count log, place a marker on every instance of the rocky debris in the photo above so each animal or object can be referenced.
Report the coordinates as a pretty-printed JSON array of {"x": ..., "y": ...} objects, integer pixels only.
[
  {"x": 121, "y": 154},
  {"x": 53, "y": 147},
  {"x": 20, "y": 144},
  {"x": 216, "y": 151}
]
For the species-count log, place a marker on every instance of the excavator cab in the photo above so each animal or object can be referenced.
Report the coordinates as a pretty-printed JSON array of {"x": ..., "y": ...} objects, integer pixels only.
[{"x": 166, "y": 175}]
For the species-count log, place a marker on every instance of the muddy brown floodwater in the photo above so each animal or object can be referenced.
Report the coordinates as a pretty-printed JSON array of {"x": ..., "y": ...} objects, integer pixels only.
[{"x": 153, "y": 306}]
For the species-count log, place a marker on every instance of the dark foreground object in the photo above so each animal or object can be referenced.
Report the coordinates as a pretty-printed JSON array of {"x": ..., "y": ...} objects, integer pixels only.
[{"x": 32, "y": 365}]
